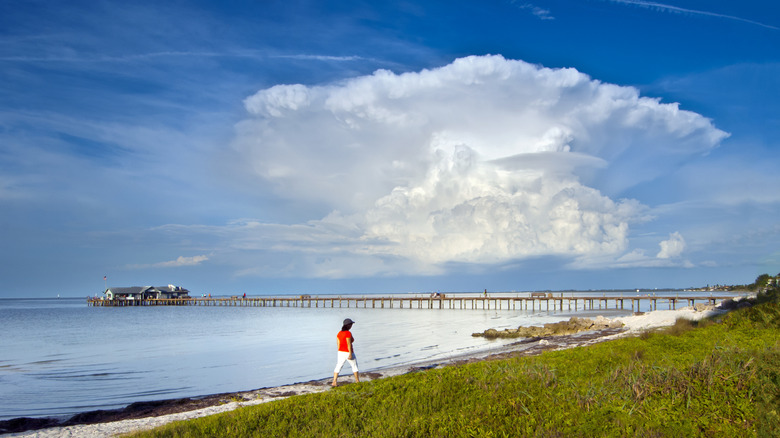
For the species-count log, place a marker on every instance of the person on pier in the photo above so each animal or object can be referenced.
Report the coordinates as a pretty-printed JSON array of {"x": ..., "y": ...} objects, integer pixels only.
[{"x": 345, "y": 351}]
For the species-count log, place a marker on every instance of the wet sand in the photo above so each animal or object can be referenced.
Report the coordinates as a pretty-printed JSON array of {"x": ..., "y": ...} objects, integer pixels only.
[{"x": 147, "y": 415}]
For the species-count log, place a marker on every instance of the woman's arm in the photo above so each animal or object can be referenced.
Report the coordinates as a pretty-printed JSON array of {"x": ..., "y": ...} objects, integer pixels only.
[{"x": 349, "y": 346}]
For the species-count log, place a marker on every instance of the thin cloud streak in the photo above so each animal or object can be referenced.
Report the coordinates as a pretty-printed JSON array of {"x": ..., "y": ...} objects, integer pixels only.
[
  {"x": 541, "y": 13},
  {"x": 670, "y": 8},
  {"x": 322, "y": 57},
  {"x": 177, "y": 263},
  {"x": 252, "y": 54}
]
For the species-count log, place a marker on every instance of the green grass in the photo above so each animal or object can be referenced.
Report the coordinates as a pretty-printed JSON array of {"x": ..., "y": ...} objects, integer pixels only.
[{"x": 692, "y": 379}]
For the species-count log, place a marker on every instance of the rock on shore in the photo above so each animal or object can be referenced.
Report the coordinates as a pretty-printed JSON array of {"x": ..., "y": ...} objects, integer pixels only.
[{"x": 573, "y": 325}]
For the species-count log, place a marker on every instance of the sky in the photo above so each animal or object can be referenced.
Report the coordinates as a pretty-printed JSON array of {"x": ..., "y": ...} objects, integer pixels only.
[{"x": 329, "y": 147}]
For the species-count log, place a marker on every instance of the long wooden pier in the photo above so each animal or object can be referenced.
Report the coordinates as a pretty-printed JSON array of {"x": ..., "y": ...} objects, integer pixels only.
[{"x": 527, "y": 302}]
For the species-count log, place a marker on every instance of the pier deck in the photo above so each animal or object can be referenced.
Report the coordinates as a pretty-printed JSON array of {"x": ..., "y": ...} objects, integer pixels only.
[{"x": 421, "y": 302}]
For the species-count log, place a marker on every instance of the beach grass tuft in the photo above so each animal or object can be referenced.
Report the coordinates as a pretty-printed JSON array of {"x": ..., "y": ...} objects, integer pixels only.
[{"x": 692, "y": 379}]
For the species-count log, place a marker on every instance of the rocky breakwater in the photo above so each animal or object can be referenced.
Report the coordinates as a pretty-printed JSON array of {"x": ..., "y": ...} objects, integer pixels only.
[{"x": 573, "y": 325}]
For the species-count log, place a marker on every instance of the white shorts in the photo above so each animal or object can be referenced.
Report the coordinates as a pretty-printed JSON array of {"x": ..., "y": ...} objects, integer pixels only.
[{"x": 342, "y": 357}]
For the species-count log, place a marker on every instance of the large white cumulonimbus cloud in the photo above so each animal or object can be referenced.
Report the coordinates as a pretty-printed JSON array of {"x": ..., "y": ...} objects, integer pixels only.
[{"x": 484, "y": 160}]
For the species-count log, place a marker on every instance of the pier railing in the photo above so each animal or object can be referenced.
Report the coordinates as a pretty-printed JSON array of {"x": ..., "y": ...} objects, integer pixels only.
[{"x": 420, "y": 302}]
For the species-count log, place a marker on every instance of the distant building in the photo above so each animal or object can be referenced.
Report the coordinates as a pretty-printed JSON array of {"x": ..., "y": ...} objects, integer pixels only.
[{"x": 146, "y": 292}]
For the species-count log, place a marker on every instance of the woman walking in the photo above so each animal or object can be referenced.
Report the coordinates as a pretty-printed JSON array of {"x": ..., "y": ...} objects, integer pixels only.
[{"x": 345, "y": 351}]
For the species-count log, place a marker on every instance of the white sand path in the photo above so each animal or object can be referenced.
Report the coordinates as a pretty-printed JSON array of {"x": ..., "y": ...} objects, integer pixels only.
[{"x": 662, "y": 318}]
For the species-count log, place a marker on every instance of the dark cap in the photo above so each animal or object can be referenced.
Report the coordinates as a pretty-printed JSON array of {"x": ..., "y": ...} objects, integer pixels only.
[{"x": 348, "y": 321}]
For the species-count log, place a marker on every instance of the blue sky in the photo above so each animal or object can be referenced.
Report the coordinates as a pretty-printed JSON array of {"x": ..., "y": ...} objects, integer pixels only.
[{"x": 360, "y": 147}]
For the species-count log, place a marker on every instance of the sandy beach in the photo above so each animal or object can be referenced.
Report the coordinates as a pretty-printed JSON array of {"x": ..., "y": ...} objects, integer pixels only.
[{"x": 142, "y": 416}]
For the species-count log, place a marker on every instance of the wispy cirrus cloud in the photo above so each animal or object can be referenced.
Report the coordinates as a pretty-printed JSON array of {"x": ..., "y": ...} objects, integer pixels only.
[
  {"x": 73, "y": 56},
  {"x": 677, "y": 9},
  {"x": 177, "y": 263},
  {"x": 328, "y": 58},
  {"x": 541, "y": 13}
]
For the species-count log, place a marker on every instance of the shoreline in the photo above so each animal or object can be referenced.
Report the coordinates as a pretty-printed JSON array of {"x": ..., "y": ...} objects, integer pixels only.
[{"x": 148, "y": 415}]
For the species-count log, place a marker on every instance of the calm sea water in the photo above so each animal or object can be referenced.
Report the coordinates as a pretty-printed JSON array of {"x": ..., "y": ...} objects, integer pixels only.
[{"x": 59, "y": 357}]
